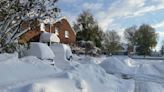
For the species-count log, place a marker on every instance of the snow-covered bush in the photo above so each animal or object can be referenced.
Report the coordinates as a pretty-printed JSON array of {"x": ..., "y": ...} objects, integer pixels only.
[
  {"x": 40, "y": 50},
  {"x": 10, "y": 48},
  {"x": 87, "y": 47}
]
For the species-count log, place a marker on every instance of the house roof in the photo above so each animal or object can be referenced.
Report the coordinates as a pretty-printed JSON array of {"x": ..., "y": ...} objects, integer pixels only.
[{"x": 59, "y": 20}]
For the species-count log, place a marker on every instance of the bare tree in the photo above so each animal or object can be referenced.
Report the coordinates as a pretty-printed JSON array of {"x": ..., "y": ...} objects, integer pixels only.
[{"x": 129, "y": 35}]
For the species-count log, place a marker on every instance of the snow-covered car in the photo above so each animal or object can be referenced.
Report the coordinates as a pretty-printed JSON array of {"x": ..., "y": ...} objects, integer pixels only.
[
  {"x": 62, "y": 51},
  {"x": 63, "y": 54},
  {"x": 41, "y": 51}
]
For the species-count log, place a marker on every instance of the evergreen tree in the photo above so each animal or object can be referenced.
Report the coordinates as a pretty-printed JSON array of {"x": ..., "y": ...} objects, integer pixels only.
[{"x": 87, "y": 29}]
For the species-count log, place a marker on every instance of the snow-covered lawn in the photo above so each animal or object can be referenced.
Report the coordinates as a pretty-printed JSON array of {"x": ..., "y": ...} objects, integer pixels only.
[{"x": 86, "y": 74}]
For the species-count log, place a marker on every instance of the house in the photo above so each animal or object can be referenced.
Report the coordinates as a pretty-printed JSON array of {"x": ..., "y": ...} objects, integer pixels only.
[
  {"x": 123, "y": 49},
  {"x": 61, "y": 28}
]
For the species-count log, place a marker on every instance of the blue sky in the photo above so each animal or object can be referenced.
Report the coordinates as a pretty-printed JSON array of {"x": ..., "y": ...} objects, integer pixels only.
[{"x": 118, "y": 14}]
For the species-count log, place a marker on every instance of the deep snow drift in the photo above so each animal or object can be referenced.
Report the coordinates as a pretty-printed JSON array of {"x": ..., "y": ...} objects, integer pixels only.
[{"x": 86, "y": 74}]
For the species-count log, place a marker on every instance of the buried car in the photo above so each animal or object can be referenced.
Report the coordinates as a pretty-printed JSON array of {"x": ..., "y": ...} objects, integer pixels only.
[
  {"x": 41, "y": 51},
  {"x": 63, "y": 54}
]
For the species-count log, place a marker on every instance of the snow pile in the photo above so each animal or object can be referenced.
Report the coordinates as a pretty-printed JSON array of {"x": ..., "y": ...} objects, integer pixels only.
[
  {"x": 50, "y": 85},
  {"x": 30, "y": 74},
  {"x": 47, "y": 37},
  {"x": 114, "y": 65},
  {"x": 99, "y": 81},
  {"x": 40, "y": 50},
  {"x": 5, "y": 57},
  {"x": 83, "y": 59},
  {"x": 148, "y": 69},
  {"x": 26, "y": 69},
  {"x": 86, "y": 60}
]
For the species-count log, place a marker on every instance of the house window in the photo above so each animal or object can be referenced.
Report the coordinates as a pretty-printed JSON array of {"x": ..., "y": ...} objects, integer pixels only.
[
  {"x": 66, "y": 34},
  {"x": 42, "y": 27}
]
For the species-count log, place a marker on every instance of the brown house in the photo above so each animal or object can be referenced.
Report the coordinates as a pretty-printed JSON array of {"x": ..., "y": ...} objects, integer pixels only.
[{"x": 62, "y": 28}]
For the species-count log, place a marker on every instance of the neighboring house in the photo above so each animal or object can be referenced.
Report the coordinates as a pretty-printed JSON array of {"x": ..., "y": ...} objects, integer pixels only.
[
  {"x": 123, "y": 49},
  {"x": 61, "y": 28},
  {"x": 162, "y": 50}
]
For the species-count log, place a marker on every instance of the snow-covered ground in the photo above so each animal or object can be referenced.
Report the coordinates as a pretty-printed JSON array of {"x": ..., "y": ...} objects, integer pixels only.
[{"x": 85, "y": 74}]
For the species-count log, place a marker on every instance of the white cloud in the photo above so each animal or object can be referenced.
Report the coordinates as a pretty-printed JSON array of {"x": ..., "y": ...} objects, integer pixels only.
[
  {"x": 93, "y": 6},
  {"x": 119, "y": 9},
  {"x": 68, "y": 1},
  {"x": 159, "y": 25},
  {"x": 148, "y": 9},
  {"x": 124, "y": 9},
  {"x": 160, "y": 41}
]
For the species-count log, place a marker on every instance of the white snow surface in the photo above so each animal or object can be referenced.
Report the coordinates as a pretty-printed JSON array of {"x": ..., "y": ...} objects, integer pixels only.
[
  {"x": 63, "y": 55},
  {"x": 87, "y": 74},
  {"x": 40, "y": 50},
  {"x": 47, "y": 37}
]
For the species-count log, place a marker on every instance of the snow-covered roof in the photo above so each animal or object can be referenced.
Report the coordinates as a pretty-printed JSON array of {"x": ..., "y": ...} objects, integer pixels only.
[
  {"x": 58, "y": 20},
  {"x": 50, "y": 21}
]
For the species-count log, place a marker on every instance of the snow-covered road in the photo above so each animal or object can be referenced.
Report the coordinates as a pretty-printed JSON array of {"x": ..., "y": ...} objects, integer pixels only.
[{"x": 147, "y": 74}]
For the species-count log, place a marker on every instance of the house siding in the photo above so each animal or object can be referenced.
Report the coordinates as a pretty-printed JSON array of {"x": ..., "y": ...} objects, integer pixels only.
[
  {"x": 32, "y": 34},
  {"x": 63, "y": 25}
]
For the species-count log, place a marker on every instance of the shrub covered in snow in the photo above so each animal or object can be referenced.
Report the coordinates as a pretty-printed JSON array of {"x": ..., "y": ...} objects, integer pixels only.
[{"x": 86, "y": 47}]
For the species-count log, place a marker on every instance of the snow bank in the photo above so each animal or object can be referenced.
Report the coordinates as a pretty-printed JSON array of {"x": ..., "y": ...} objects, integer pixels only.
[
  {"x": 26, "y": 69},
  {"x": 40, "y": 50},
  {"x": 30, "y": 74},
  {"x": 86, "y": 60},
  {"x": 5, "y": 57},
  {"x": 99, "y": 81},
  {"x": 50, "y": 85},
  {"x": 114, "y": 65}
]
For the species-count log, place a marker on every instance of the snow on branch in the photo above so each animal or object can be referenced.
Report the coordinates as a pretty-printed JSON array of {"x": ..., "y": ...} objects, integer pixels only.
[{"x": 14, "y": 12}]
